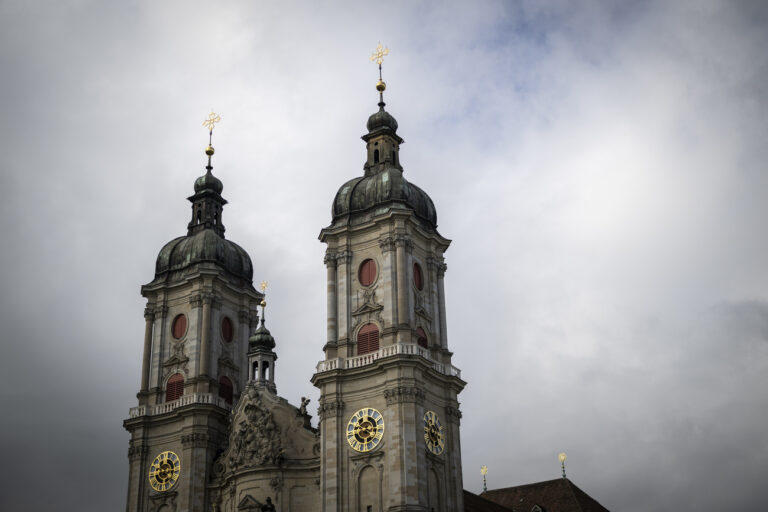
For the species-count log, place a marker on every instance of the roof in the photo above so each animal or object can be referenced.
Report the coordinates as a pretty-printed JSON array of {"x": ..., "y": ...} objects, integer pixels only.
[
  {"x": 560, "y": 495},
  {"x": 474, "y": 503}
]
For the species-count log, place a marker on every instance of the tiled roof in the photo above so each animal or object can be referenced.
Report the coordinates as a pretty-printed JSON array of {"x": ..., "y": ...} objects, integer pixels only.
[
  {"x": 474, "y": 503},
  {"x": 560, "y": 495}
]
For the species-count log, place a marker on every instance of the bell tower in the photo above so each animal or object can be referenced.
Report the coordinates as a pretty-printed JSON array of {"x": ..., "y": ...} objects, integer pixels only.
[
  {"x": 201, "y": 308},
  {"x": 389, "y": 415}
]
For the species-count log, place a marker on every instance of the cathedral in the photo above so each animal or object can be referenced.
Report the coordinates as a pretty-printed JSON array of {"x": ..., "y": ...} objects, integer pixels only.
[{"x": 211, "y": 433}]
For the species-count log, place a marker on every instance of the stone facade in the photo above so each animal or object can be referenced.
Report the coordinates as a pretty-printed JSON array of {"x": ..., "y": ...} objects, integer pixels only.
[{"x": 260, "y": 453}]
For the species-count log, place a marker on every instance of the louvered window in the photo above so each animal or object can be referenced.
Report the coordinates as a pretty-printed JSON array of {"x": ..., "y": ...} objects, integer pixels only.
[
  {"x": 225, "y": 389},
  {"x": 175, "y": 387},
  {"x": 368, "y": 339},
  {"x": 422, "y": 337},
  {"x": 367, "y": 272},
  {"x": 179, "y": 326}
]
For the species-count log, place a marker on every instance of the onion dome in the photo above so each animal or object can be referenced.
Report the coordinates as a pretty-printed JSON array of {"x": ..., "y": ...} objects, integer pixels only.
[
  {"x": 205, "y": 246},
  {"x": 380, "y": 121},
  {"x": 208, "y": 182},
  {"x": 261, "y": 338}
]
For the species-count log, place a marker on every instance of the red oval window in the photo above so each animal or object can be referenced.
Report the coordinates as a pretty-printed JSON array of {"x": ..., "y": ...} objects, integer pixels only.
[
  {"x": 175, "y": 387},
  {"x": 422, "y": 337},
  {"x": 227, "y": 330},
  {"x": 368, "y": 339},
  {"x": 179, "y": 326},
  {"x": 418, "y": 277},
  {"x": 367, "y": 272}
]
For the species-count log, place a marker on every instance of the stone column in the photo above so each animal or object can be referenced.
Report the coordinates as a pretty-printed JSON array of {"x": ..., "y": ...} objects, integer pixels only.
[
  {"x": 205, "y": 337},
  {"x": 149, "y": 319},
  {"x": 330, "y": 263},
  {"x": 344, "y": 260},
  {"x": 434, "y": 301},
  {"x": 442, "y": 267},
  {"x": 402, "y": 291}
]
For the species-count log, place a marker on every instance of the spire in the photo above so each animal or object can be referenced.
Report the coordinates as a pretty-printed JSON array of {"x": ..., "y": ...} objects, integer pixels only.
[
  {"x": 261, "y": 356},
  {"x": 382, "y": 140},
  {"x": 207, "y": 203}
]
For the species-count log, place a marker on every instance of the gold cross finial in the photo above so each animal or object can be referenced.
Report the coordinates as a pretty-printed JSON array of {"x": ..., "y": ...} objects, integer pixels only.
[
  {"x": 213, "y": 118},
  {"x": 379, "y": 54},
  {"x": 484, "y": 470},
  {"x": 264, "y": 285}
]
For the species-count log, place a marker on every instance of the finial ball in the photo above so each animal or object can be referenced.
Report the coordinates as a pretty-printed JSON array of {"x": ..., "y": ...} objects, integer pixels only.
[
  {"x": 209, "y": 150},
  {"x": 263, "y": 303},
  {"x": 381, "y": 86}
]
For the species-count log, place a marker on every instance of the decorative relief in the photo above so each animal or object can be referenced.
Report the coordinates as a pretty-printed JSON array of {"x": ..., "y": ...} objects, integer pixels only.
[
  {"x": 137, "y": 452},
  {"x": 387, "y": 244},
  {"x": 208, "y": 298},
  {"x": 330, "y": 409},
  {"x": 196, "y": 300},
  {"x": 195, "y": 439},
  {"x": 432, "y": 263},
  {"x": 149, "y": 312},
  {"x": 255, "y": 439},
  {"x": 178, "y": 361},
  {"x": 441, "y": 268},
  {"x": 403, "y": 394},
  {"x": 330, "y": 258},
  {"x": 453, "y": 414},
  {"x": 160, "y": 500},
  {"x": 276, "y": 483}
]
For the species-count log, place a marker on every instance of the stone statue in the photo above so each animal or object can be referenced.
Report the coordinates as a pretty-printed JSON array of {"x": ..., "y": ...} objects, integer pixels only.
[
  {"x": 268, "y": 506},
  {"x": 304, "y": 403}
]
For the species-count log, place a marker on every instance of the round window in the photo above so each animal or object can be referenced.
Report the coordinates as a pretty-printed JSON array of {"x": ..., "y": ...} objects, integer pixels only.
[
  {"x": 367, "y": 272},
  {"x": 179, "y": 326},
  {"x": 227, "y": 330},
  {"x": 418, "y": 277}
]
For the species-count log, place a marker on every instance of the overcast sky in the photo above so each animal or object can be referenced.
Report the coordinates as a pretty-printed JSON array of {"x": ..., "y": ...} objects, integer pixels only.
[{"x": 600, "y": 167}]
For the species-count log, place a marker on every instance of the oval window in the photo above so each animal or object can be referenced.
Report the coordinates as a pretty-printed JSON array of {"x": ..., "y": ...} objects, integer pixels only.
[
  {"x": 179, "y": 326},
  {"x": 418, "y": 277},
  {"x": 227, "y": 330},
  {"x": 367, "y": 272}
]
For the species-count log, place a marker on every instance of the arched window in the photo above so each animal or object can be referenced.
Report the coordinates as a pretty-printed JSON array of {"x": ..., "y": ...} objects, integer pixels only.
[
  {"x": 368, "y": 339},
  {"x": 175, "y": 387},
  {"x": 179, "y": 326},
  {"x": 422, "y": 337},
  {"x": 375, "y": 156},
  {"x": 226, "y": 389},
  {"x": 367, "y": 272},
  {"x": 418, "y": 277}
]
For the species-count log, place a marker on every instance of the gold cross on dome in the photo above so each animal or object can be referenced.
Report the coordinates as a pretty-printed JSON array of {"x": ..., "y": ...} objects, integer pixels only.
[
  {"x": 379, "y": 54},
  {"x": 484, "y": 470},
  {"x": 213, "y": 118},
  {"x": 264, "y": 285}
]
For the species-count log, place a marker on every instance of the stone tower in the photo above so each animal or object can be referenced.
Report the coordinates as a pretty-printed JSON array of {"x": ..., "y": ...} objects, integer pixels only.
[
  {"x": 201, "y": 306},
  {"x": 389, "y": 415}
]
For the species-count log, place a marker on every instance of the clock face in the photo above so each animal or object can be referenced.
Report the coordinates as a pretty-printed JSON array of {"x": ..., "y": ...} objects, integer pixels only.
[
  {"x": 434, "y": 433},
  {"x": 164, "y": 471},
  {"x": 365, "y": 430}
]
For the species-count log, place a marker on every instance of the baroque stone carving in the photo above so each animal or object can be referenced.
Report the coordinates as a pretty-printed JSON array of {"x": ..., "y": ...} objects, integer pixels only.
[
  {"x": 330, "y": 258},
  {"x": 166, "y": 499},
  {"x": 149, "y": 312},
  {"x": 276, "y": 483},
  {"x": 453, "y": 414},
  {"x": 255, "y": 439},
  {"x": 403, "y": 394},
  {"x": 196, "y": 300},
  {"x": 137, "y": 452},
  {"x": 195, "y": 439},
  {"x": 387, "y": 244},
  {"x": 178, "y": 361},
  {"x": 304, "y": 403},
  {"x": 330, "y": 409}
]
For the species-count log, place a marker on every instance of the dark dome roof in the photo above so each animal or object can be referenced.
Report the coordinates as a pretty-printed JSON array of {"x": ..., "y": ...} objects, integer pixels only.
[
  {"x": 385, "y": 187},
  {"x": 210, "y": 182},
  {"x": 261, "y": 338},
  {"x": 205, "y": 246},
  {"x": 381, "y": 119}
]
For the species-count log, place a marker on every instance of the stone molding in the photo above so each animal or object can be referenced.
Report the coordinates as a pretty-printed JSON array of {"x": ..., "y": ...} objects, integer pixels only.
[
  {"x": 387, "y": 244},
  {"x": 162, "y": 309},
  {"x": 441, "y": 268},
  {"x": 149, "y": 312},
  {"x": 196, "y": 300},
  {"x": 403, "y": 240},
  {"x": 137, "y": 452},
  {"x": 195, "y": 440},
  {"x": 453, "y": 414},
  {"x": 330, "y": 409},
  {"x": 343, "y": 257},
  {"x": 165, "y": 499},
  {"x": 330, "y": 258},
  {"x": 404, "y": 394}
]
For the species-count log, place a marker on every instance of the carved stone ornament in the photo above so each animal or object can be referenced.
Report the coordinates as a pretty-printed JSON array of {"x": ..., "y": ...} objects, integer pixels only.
[
  {"x": 255, "y": 439},
  {"x": 196, "y": 300},
  {"x": 387, "y": 244},
  {"x": 178, "y": 361},
  {"x": 162, "y": 310},
  {"x": 165, "y": 499},
  {"x": 403, "y": 394},
  {"x": 343, "y": 257},
  {"x": 330, "y": 258},
  {"x": 137, "y": 452},
  {"x": 149, "y": 312},
  {"x": 330, "y": 409},
  {"x": 453, "y": 414},
  {"x": 195, "y": 439},
  {"x": 276, "y": 483}
]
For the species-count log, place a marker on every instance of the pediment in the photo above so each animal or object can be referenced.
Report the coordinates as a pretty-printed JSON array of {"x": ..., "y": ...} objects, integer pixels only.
[
  {"x": 175, "y": 360},
  {"x": 367, "y": 308},
  {"x": 249, "y": 504}
]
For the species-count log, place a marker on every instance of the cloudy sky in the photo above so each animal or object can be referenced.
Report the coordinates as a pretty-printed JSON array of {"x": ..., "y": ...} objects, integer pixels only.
[{"x": 600, "y": 168}]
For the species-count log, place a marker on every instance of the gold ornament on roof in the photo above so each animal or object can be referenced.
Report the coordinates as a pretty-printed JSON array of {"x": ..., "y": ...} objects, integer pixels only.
[
  {"x": 379, "y": 54},
  {"x": 484, "y": 470},
  {"x": 213, "y": 118},
  {"x": 263, "y": 286}
]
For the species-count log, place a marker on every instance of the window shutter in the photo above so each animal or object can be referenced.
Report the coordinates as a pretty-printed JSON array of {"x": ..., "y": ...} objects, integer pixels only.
[
  {"x": 175, "y": 387},
  {"x": 368, "y": 339}
]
